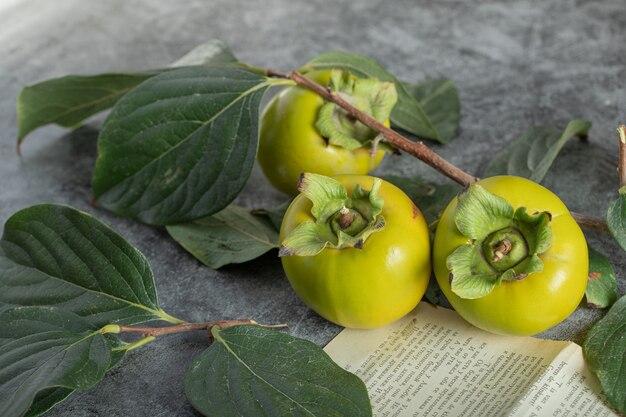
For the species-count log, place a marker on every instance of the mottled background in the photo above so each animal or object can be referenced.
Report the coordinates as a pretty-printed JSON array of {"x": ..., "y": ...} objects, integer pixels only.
[{"x": 516, "y": 64}]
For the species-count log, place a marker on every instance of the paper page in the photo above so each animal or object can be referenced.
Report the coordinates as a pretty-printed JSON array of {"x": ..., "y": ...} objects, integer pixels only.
[{"x": 434, "y": 363}]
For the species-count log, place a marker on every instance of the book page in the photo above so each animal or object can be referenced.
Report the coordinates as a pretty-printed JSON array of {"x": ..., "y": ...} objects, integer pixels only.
[{"x": 434, "y": 363}]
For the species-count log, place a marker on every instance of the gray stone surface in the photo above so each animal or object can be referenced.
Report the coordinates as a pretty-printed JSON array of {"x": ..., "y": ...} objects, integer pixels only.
[{"x": 516, "y": 64}]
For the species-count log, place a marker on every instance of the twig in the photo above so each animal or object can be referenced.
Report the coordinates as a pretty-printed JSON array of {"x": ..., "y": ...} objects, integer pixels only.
[
  {"x": 427, "y": 155},
  {"x": 417, "y": 149},
  {"x": 621, "y": 168},
  {"x": 188, "y": 327},
  {"x": 591, "y": 223}
]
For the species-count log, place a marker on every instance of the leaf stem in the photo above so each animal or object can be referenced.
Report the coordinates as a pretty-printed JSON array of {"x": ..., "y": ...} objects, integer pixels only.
[
  {"x": 423, "y": 152},
  {"x": 189, "y": 327},
  {"x": 621, "y": 168},
  {"x": 417, "y": 149}
]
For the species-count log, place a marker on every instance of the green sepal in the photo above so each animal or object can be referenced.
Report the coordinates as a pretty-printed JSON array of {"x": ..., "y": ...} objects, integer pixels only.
[
  {"x": 480, "y": 213},
  {"x": 471, "y": 276},
  {"x": 369, "y": 95},
  {"x": 503, "y": 245},
  {"x": 326, "y": 194},
  {"x": 535, "y": 228},
  {"x": 330, "y": 200}
]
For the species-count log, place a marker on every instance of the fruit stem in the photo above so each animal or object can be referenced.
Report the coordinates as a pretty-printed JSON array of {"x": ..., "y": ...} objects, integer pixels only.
[
  {"x": 423, "y": 152},
  {"x": 621, "y": 168}
]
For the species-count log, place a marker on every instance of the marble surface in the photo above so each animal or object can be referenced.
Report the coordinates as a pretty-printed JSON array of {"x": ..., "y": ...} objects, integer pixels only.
[{"x": 516, "y": 64}]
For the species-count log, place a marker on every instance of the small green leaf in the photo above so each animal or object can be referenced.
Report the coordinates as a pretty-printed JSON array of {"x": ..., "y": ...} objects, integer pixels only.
[
  {"x": 533, "y": 153},
  {"x": 181, "y": 145},
  {"x": 480, "y": 212},
  {"x": 69, "y": 100},
  {"x": 601, "y": 291},
  {"x": 616, "y": 218},
  {"x": 43, "y": 347},
  {"x": 430, "y": 198},
  {"x": 275, "y": 215},
  {"x": 605, "y": 351},
  {"x": 232, "y": 236},
  {"x": 251, "y": 371},
  {"x": 308, "y": 239},
  {"x": 440, "y": 100},
  {"x": 407, "y": 114},
  {"x": 58, "y": 256}
]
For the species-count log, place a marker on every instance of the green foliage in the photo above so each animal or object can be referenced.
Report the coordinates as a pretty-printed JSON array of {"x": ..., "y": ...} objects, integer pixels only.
[
  {"x": 275, "y": 374},
  {"x": 408, "y": 114},
  {"x": 69, "y": 100},
  {"x": 601, "y": 291},
  {"x": 430, "y": 198},
  {"x": 57, "y": 256},
  {"x": 45, "y": 347},
  {"x": 605, "y": 351},
  {"x": 532, "y": 154},
  {"x": 233, "y": 235},
  {"x": 440, "y": 100},
  {"x": 181, "y": 145},
  {"x": 616, "y": 218}
]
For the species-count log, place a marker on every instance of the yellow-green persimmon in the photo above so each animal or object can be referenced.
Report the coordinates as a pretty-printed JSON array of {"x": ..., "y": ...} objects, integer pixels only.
[
  {"x": 294, "y": 140},
  {"x": 509, "y": 256},
  {"x": 373, "y": 274}
]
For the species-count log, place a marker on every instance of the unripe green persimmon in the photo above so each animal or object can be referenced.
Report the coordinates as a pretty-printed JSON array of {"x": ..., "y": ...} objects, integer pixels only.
[
  {"x": 530, "y": 297},
  {"x": 290, "y": 144},
  {"x": 371, "y": 286}
]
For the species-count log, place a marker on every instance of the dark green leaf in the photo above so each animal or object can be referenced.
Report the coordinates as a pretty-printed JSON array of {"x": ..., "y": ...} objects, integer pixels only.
[
  {"x": 601, "y": 291},
  {"x": 532, "y": 154},
  {"x": 433, "y": 291},
  {"x": 46, "y": 399},
  {"x": 440, "y": 100},
  {"x": 50, "y": 397},
  {"x": 275, "y": 215},
  {"x": 42, "y": 348},
  {"x": 430, "y": 198},
  {"x": 250, "y": 371},
  {"x": 616, "y": 218},
  {"x": 57, "y": 256},
  {"x": 181, "y": 145},
  {"x": 232, "y": 236},
  {"x": 605, "y": 351},
  {"x": 69, "y": 100},
  {"x": 407, "y": 114}
]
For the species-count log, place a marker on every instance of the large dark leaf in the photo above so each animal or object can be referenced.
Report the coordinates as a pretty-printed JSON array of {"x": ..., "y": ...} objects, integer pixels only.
[
  {"x": 57, "y": 256},
  {"x": 42, "y": 348},
  {"x": 181, "y": 145},
  {"x": 250, "y": 371},
  {"x": 605, "y": 351},
  {"x": 532, "y": 154},
  {"x": 440, "y": 100},
  {"x": 430, "y": 198},
  {"x": 69, "y": 100},
  {"x": 48, "y": 398},
  {"x": 231, "y": 236},
  {"x": 616, "y": 218},
  {"x": 408, "y": 114},
  {"x": 601, "y": 291}
]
